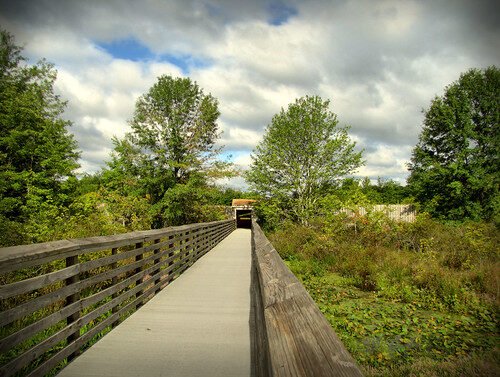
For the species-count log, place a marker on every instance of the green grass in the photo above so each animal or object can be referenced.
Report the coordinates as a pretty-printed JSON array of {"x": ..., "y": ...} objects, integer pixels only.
[{"x": 404, "y": 311}]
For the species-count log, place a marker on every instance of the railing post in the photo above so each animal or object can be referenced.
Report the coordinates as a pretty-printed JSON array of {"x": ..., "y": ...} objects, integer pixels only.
[
  {"x": 71, "y": 261},
  {"x": 171, "y": 245},
  {"x": 181, "y": 250},
  {"x": 206, "y": 241},
  {"x": 210, "y": 239},
  {"x": 114, "y": 281},
  {"x": 200, "y": 241},
  {"x": 155, "y": 262},
  {"x": 194, "y": 245},
  {"x": 188, "y": 247},
  {"x": 138, "y": 258}
]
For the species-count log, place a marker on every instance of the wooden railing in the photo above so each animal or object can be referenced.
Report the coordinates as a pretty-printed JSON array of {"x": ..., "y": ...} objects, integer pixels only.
[
  {"x": 59, "y": 297},
  {"x": 291, "y": 335}
]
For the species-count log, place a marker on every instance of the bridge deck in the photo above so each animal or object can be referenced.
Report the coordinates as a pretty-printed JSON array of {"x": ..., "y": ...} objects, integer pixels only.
[{"x": 196, "y": 326}]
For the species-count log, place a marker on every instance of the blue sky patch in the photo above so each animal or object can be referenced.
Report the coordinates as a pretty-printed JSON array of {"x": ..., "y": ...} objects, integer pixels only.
[
  {"x": 132, "y": 49},
  {"x": 129, "y": 49},
  {"x": 280, "y": 13},
  {"x": 233, "y": 154},
  {"x": 184, "y": 62},
  {"x": 177, "y": 61}
]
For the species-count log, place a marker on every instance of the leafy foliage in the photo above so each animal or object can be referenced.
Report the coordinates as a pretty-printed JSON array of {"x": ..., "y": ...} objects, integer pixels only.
[
  {"x": 125, "y": 172},
  {"x": 174, "y": 126},
  {"x": 170, "y": 155},
  {"x": 181, "y": 204},
  {"x": 455, "y": 165},
  {"x": 37, "y": 154},
  {"x": 385, "y": 191},
  {"x": 104, "y": 212},
  {"x": 302, "y": 153},
  {"x": 397, "y": 304}
]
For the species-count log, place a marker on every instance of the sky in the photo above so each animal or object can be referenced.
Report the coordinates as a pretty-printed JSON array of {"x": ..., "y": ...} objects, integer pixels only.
[{"x": 380, "y": 63}]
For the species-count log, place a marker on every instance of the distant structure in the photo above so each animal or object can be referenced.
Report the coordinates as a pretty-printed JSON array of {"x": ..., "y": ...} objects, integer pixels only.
[
  {"x": 243, "y": 212},
  {"x": 397, "y": 212}
]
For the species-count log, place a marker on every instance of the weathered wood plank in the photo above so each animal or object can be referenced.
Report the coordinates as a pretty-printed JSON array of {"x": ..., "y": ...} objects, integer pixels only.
[
  {"x": 65, "y": 352},
  {"x": 114, "y": 282},
  {"x": 23, "y": 256},
  {"x": 25, "y": 308},
  {"x": 138, "y": 270},
  {"x": 259, "y": 344},
  {"x": 74, "y": 317},
  {"x": 78, "y": 323},
  {"x": 157, "y": 261},
  {"x": 180, "y": 249},
  {"x": 299, "y": 339},
  {"x": 27, "y": 285},
  {"x": 37, "y": 282}
]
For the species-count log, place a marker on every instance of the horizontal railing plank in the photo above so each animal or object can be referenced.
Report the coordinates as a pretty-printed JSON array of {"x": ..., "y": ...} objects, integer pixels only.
[
  {"x": 295, "y": 336},
  {"x": 22, "y": 256},
  {"x": 52, "y": 319},
  {"x": 60, "y": 294},
  {"x": 156, "y": 258}
]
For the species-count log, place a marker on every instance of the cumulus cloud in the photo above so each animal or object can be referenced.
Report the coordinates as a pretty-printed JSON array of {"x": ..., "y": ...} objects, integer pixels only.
[
  {"x": 378, "y": 62},
  {"x": 101, "y": 99}
]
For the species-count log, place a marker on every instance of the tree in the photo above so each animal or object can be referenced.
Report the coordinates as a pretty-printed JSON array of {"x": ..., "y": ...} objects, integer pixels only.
[
  {"x": 384, "y": 192},
  {"x": 173, "y": 141},
  {"x": 455, "y": 165},
  {"x": 124, "y": 173},
  {"x": 175, "y": 125},
  {"x": 302, "y": 153},
  {"x": 37, "y": 154}
]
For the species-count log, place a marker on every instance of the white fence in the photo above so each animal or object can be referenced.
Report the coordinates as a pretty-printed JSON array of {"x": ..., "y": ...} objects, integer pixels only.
[{"x": 397, "y": 212}]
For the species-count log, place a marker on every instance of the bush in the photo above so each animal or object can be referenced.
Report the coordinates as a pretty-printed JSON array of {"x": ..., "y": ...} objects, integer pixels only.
[
  {"x": 101, "y": 213},
  {"x": 398, "y": 291},
  {"x": 12, "y": 232},
  {"x": 270, "y": 214}
]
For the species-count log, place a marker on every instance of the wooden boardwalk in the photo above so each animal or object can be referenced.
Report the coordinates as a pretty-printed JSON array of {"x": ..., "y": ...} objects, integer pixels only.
[{"x": 196, "y": 326}]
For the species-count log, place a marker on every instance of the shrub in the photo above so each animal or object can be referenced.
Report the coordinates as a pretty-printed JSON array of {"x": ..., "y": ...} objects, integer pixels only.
[{"x": 425, "y": 290}]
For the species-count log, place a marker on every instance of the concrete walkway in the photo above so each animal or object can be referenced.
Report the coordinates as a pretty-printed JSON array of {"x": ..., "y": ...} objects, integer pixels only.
[{"x": 196, "y": 326}]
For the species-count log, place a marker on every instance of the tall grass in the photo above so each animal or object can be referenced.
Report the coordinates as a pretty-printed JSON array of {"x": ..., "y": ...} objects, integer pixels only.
[{"x": 402, "y": 295}]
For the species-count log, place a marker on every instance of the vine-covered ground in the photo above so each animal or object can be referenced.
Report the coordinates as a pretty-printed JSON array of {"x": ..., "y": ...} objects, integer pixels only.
[{"x": 406, "y": 299}]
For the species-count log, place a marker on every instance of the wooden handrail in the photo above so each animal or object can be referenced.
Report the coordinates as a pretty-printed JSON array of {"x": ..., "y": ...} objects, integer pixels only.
[
  {"x": 56, "y": 297},
  {"x": 291, "y": 335}
]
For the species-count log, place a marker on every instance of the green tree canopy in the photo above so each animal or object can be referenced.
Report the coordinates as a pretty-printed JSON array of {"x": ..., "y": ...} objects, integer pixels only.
[
  {"x": 172, "y": 142},
  {"x": 37, "y": 154},
  {"x": 384, "y": 192},
  {"x": 126, "y": 171},
  {"x": 175, "y": 125},
  {"x": 455, "y": 165},
  {"x": 302, "y": 153}
]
